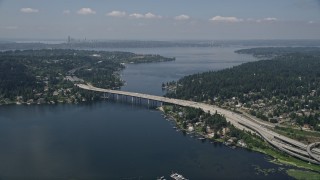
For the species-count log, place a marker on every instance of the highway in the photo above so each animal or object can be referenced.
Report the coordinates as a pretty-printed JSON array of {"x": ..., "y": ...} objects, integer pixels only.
[{"x": 309, "y": 153}]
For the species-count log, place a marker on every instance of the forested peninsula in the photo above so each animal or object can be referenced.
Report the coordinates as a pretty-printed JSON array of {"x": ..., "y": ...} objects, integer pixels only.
[
  {"x": 48, "y": 75},
  {"x": 283, "y": 89}
]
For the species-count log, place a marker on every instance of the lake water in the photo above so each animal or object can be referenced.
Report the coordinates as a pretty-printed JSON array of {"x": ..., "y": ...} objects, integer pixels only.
[{"x": 110, "y": 140}]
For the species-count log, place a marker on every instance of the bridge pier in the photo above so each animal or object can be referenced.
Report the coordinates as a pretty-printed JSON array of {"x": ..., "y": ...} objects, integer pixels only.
[
  {"x": 132, "y": 99},
  {"x": 104, "y": 96}
]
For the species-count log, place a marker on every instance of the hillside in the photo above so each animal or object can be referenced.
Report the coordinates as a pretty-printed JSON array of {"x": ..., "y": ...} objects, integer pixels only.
[{"x": 284, "y": 89}]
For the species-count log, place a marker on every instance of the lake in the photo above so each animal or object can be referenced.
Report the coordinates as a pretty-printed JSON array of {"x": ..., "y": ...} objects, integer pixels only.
[{"x": 113, "y": 140}]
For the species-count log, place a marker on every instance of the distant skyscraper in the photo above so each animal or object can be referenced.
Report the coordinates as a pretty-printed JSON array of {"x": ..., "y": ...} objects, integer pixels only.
[{"x": 69, "y": 39}]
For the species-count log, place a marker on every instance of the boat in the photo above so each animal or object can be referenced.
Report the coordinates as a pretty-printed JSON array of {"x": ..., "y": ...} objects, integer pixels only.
[
  {"x": 177, "y": 176},
  {"x": 161, "y": 178}
]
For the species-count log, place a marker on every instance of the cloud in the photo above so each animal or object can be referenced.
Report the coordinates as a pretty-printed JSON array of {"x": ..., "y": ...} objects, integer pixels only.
[
  {"x": 117, "y": 14},
  {"x": 29, "y": 10},
  {"x": 182, "y": 17},
  {"x": 232, "y": 19},
  {"x": 226, "y": 19},
  {"x": 152, "y": 16},
  {"x": 66, "y": 12},
  {"x": 86, "y": 11},
  {"x": 136, "y": 15},
  {"x": 145, "y": 16},
  {"x": 270, "y": 19}
]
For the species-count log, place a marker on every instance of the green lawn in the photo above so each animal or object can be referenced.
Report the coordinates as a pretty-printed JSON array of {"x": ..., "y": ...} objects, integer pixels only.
[
  {"x": 281, "y": 158},
  {"x": 299, "y": 132},
  {"x": 303, "y": 175}
]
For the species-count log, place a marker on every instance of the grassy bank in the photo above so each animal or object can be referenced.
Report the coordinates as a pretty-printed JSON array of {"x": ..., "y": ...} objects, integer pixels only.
[
  {"x": 303, "y": 175},
  {"x": 284, "y": 159}
]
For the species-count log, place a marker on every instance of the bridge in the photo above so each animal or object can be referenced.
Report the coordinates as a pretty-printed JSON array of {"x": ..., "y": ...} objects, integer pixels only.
[{"x": 309, "y": 153}]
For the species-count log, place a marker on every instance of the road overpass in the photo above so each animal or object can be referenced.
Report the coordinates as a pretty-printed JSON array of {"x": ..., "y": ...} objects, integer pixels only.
[{"x": 290, "y": 146}]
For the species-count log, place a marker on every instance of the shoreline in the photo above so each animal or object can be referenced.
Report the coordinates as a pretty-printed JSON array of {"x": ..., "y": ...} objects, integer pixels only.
[
  {"x": 274, "y": 153},
  {"x": 276, "y": 157}
]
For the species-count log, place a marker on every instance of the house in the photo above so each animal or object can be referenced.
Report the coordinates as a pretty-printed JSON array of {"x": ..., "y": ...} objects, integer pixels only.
[
  {"x": 241, "y": 143},
  {"x": 306, "y": 127},
  {"x": 30, "y": 101},
  {"x": 210, "y": 135},
  {"x": 38, "y": 95},
  {"x": 198, "y": 123},
  {"x": 19, "y": 98},
  {"x": 229, "y": 142},
  {"x": 55, "y": 93},
  {"x": 190, "y": 128},
  {"x": 41, "y": 101},
  {"x": 208, "y": 129},
  {"x": 225, "y": 131}
]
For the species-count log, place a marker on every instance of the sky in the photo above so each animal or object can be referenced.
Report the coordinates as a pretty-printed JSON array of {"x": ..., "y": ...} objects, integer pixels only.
[{"x": 160, "y": 19}]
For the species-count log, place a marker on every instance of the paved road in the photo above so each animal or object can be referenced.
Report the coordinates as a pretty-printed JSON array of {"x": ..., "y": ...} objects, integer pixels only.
[
  {"x": 285, "y": 144},
  {"x": 310, "y": 151}
]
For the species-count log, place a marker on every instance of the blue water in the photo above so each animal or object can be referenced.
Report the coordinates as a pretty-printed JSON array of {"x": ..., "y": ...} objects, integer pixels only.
[{"x": 110, "y": 140}]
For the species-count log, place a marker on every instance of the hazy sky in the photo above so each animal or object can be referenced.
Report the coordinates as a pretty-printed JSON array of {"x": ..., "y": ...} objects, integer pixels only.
[{"x": 160, "y": 19}]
